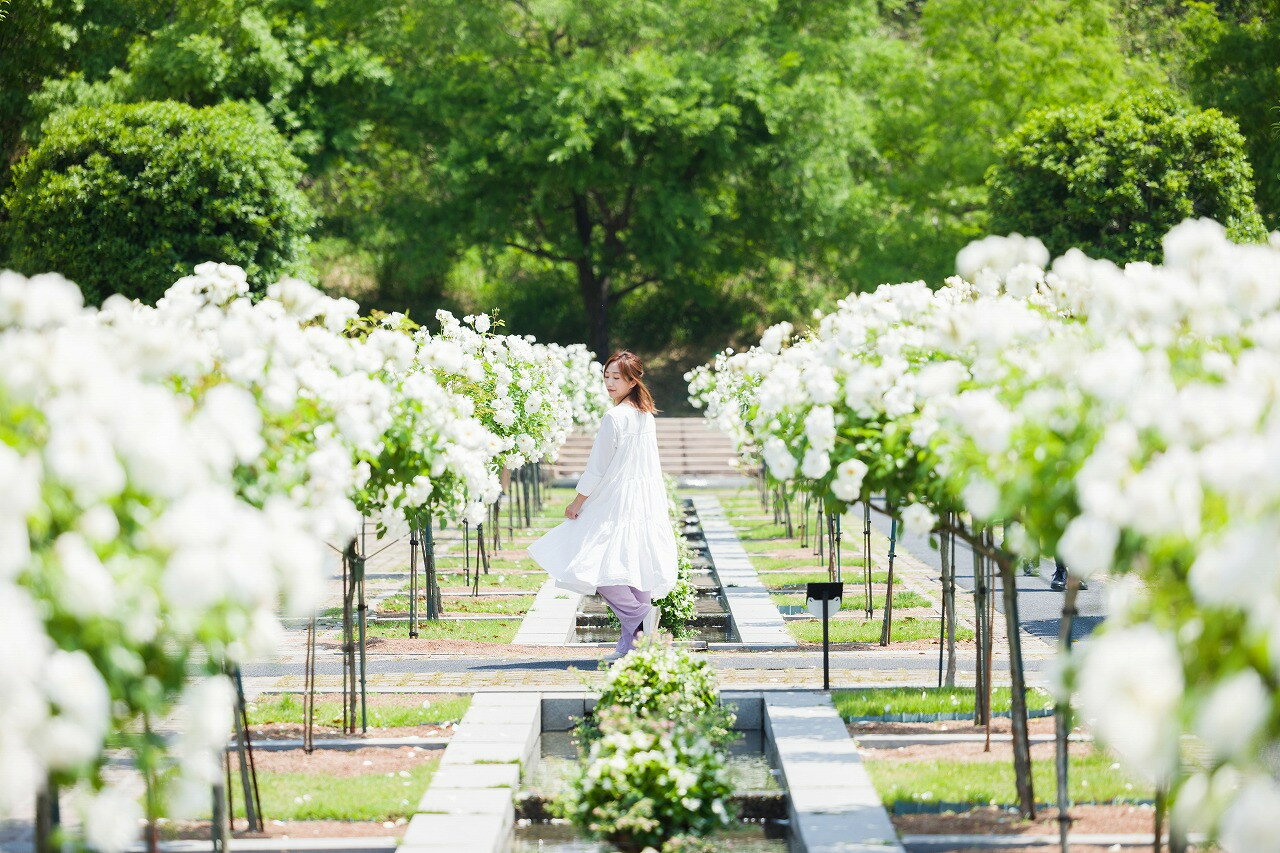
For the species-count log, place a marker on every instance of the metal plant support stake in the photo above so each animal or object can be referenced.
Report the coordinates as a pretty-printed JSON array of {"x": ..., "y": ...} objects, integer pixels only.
[
  {"x": 526, "y": 489},
  {"x": 244, "y": 752},
  {"x": 309, "y": 691},
  {"x": 466, "y": 552},
  {"x": 949, "y": 594},
  {"x": 869, "y": 602},
  {"x": 1062, "y": 716},
  {"x": 413, "y": 581},
  {"x": 886, "y": 628}
]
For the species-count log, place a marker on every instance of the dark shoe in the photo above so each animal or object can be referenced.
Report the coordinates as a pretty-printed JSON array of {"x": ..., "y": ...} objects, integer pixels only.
[{"x": 1058, "y": 584}]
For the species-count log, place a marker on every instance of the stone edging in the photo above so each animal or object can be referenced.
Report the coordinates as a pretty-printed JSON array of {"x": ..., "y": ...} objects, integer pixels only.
[
  {"x": 755, "y": 617},
  {"x": 833, "y": 806}
]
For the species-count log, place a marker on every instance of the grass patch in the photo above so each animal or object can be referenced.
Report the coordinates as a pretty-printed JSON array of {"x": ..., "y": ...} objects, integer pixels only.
[
  {"x": 768, "y": 546},
  {"x": 509, "y": 604},
  {"x": 777, "y": 580},
  {"x": 876, "y": 701},
  {"x": 479, "y": 630},
  {"x": 901, "y": 598},
  {"x": 905, "y": 630},
  {"x": 496, "y": 579},
  {"x": 1094, "y": 777},
  {"x": 371, "y": 797},
  {"x": 287, "y": 708},
  {"x": 802, "y": 564}
]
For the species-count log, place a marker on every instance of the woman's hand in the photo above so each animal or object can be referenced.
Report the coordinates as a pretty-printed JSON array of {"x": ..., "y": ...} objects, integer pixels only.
[{"x": 573, "y": 509}]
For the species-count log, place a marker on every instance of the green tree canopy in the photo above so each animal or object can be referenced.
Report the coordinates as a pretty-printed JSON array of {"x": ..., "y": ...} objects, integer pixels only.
[
  {"x": 1112, "y": 178},
  {"x": 952, "y": 83},
  {"x": 643, "y": 143},
  {"x": 1234, "y": 65},
  {"x": 126, "y": 198}
]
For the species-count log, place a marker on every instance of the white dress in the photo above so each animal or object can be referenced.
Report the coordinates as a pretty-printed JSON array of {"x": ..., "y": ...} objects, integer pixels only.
[{"x": 623, "y": 534}]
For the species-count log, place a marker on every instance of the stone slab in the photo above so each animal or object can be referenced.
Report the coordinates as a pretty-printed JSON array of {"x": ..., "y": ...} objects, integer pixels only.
[
  {"x": 464, "y": 801},
  {"x": 436, "y": 833},
  {"x": 476, "y": 776}
]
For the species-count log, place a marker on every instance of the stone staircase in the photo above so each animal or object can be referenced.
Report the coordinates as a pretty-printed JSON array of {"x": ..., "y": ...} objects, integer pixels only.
[{"x": 688, "y": 447}]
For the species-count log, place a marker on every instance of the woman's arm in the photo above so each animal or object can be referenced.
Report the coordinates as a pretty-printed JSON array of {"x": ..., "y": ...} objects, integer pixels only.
[{"x": 602, "y": 451}]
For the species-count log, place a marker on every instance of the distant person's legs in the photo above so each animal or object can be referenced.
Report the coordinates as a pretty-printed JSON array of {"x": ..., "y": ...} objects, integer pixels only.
[
  {"x": 1059, "y": 582},
  {"x": 630, "y": 605}
]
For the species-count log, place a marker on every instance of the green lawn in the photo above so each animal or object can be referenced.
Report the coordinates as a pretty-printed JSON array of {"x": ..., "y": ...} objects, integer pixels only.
[
  {"x": 370, "y": 797},
  {"x": 479, "y": 630},
  {"x": 497, "y": 578},
  {"x": 287, "y": 708},
  {"x": 905, "y": 630},
  {"x": 877, "y": 701},
  {"x": 803, "y": 564},
  {"x": 509, "y": 604},
  {"x": 1094, "y": 777},
  {"x": 777, "y": 580},
  {"x": 856, "y": 600}
]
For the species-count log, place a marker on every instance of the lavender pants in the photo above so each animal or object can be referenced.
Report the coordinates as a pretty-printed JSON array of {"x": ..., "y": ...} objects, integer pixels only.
[{"x": 630, "y": 605}]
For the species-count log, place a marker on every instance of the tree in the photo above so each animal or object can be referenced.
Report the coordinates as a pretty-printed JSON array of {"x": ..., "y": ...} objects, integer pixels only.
[
  {"x": 126, "y": 198},
  {"x": 42, "y": 39},
  {"x": 1234, "y": 65},
  {"x": 973, "y": 70},
  {"x": 1113, "y": 178},
  {"x": 643, "y": 144}
]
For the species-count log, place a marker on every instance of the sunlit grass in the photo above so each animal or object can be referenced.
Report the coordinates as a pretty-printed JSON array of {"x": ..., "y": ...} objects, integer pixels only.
[
  {"x": 1094, "y": 777},
  {"x": 475, "y": 630},
  {"x": 877, "y": 701},
  {"x": 905, "y": 630},
  {"x": 856, "y": 600},
  {"x": 287, "y": 708}
]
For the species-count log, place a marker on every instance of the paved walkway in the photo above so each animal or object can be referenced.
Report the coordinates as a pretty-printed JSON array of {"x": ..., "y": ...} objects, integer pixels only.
[{"x": 1039, "y": 607}]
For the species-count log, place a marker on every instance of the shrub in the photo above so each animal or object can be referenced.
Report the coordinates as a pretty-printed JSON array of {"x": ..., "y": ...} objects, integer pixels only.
[
  {"x": 647, "y": 780},
  {"x": 664, "y": 682},
  {"x": 126, "y": 198},
  {"x": 1113, "y": 178}
]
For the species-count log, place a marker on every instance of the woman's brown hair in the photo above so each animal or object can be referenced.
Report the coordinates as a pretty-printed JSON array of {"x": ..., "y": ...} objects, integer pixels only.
[{"x": 633, "y": 371}]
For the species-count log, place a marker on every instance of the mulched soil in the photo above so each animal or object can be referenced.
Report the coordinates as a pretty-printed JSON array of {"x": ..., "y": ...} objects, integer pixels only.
[
  {"x": 995, "y": 821},
  {"x": 344, "y": 762},
  {"x": 293, "y": 731},
  {"x": 199, "y": 829}
]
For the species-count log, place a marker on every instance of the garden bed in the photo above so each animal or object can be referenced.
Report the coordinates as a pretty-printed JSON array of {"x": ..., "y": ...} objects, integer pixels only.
[{"x": 280, "y": 716}]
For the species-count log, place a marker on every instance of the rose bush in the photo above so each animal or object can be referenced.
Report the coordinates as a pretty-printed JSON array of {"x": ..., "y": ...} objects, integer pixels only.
[{"x": 1124, "y": 418}]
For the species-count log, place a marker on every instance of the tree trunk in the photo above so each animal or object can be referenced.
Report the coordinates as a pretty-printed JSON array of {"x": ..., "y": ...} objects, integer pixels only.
[
  {"x": 593, "y": 286},
  {"x": 1018, "y": 689}
]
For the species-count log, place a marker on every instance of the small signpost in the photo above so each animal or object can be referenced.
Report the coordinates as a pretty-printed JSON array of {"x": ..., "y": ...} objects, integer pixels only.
[{"x": 824, "y": 599}]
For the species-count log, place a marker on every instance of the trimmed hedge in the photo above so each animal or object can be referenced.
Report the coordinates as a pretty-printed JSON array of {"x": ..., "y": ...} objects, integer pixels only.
[
  {"x": 126, "y": 198},
  {"x": 1113, "y": 178}
]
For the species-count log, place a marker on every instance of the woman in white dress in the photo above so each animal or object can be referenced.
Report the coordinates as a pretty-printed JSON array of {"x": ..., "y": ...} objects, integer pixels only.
[{"x": 618, "y": 540}]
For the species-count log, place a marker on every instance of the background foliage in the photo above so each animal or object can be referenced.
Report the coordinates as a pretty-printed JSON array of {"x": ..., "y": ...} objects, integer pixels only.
[
  {"x": 699, "y": 169},
  {"x": 1113, "y": 179},
  {"x": 127, "y": 198}
]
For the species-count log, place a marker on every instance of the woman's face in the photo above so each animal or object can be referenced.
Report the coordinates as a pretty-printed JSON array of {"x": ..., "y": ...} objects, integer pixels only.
[{"x": 614, "y": 384}]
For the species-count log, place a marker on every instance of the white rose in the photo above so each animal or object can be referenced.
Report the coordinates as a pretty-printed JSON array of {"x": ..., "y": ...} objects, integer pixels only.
[
  {"x": 847, "y": 485},
  {"x": 782, "y": 465},
  {"x": 918, "y": 519},
  {"x": 1130, "y": 687},
  {"x": 1088, "y": 545},
  {"x": 1233, "y": 714},
  {"x": 816, "y": 463}
]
